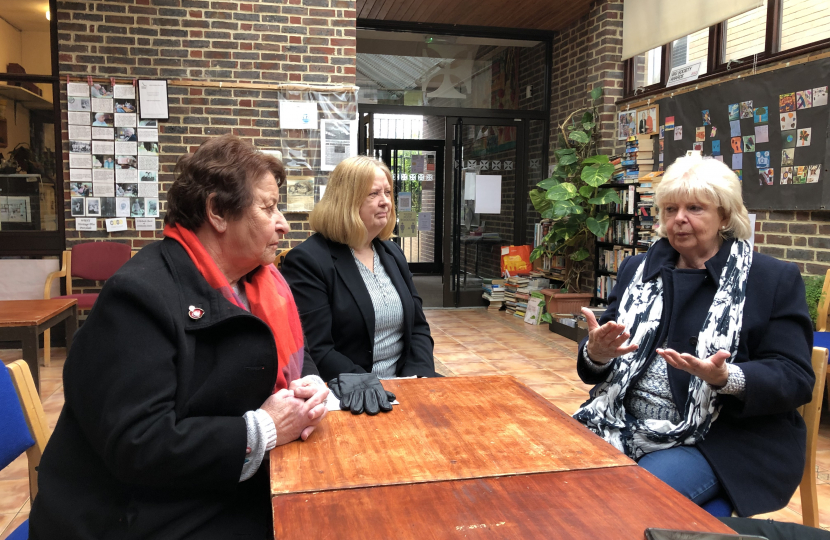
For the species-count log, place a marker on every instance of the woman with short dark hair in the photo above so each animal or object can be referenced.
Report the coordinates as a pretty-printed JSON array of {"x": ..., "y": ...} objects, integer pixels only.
[
  {"x": 190, "y": 367},
  {"x": 354, "y": 290}
]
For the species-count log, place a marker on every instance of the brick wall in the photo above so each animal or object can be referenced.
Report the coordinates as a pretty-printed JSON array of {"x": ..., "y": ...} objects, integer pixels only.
[
  {"x": 799, "y": 237},
  {"x": 232, "y": 41},
  {"x": 586, "y": 55}
]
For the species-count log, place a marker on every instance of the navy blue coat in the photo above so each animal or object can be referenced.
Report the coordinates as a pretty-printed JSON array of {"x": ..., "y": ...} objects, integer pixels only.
[
  {"x": 757, "y": 445},
  {"x": 337, "y": 312}
]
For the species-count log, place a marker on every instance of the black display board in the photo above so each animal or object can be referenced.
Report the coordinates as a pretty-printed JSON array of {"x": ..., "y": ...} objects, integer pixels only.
[{"x": 763, "y": 90}]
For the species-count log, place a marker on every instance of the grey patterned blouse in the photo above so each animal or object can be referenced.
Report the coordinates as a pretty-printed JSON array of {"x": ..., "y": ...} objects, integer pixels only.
[{"x": 388, "y": 344}]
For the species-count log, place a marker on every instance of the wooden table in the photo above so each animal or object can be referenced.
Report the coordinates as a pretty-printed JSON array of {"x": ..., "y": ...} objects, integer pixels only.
[
  {"x": 25, "y": 320},
  {"x": 467, "y": 457}
]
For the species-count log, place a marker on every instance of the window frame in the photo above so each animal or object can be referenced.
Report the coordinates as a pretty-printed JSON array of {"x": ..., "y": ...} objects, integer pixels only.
[
  {"x": 715, "y": 65},
  {"x": 43, "y": 243}
]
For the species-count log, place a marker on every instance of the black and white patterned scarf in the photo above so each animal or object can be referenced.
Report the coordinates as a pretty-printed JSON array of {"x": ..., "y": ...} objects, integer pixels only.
[{"x": 640, "y": 310}]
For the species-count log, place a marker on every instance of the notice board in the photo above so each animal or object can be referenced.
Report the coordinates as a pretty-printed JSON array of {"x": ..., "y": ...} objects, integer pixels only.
[{"x": 771, "y": 128}]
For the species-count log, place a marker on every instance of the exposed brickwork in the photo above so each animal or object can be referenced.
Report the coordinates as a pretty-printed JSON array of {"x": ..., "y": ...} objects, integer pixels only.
[
  {"x": 799, "y": 237},
  {"x": 238, "y": 41}
]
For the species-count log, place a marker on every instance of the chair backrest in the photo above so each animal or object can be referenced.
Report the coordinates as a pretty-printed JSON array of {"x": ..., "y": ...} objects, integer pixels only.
[
  {"x": 19, "y": 399},
  {"x": 98, "y": 261},
  {"x": 812, "y": 414},
  {"x": 823, "y": 305}
]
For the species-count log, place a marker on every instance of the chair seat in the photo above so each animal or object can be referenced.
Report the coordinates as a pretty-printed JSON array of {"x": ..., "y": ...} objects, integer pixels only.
[
  {"x": 85, "y": 300},
  {"x": 21, "y": 532}
]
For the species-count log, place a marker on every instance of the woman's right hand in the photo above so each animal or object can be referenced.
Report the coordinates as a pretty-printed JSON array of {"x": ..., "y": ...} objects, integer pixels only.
[
  {"x": 605, "y": 342},
  {"x": 295, "y": 417}
]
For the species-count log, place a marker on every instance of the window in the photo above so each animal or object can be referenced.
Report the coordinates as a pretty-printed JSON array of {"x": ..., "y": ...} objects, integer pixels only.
[
  {"x": 691, "y": 48},
  {"x": 745, "y": 34},
  {"x": 759, "y": 36},
  {"x": 647, "y": 68},
  {"x": 804, "y": 22}
]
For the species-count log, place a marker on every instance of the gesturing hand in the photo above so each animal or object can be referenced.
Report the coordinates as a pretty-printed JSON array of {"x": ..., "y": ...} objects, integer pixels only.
[
  {"x": 605, "y": 342},
  {"x": 713, "y": 370}
]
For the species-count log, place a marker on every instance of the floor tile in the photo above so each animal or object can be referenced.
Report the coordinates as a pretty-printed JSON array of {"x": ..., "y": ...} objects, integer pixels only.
[
  {"x": 13, "y": 494},
  {"x": 15, "y": 522},
  {"x": 19, "y": 468}
]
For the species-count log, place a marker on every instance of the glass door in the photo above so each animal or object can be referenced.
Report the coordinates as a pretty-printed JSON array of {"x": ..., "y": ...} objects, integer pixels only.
[
  {"x": 418, "y": 170},
  {"x": 484, "y": 205}
]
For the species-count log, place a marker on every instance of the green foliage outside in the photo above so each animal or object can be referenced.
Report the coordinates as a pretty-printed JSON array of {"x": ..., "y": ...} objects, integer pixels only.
[{"x": 813, "y": 286}]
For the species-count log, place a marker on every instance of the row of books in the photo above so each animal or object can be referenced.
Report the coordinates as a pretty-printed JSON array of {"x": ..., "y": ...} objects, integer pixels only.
[
  {"x": 493, "y": 292},
  {"x": 604, "y": 286},
  {"x": 610, "y": 259},
  {"x": 646, "y": 211},
  {"x": 515, "y": 301},
  {"x": 620, "y": 231},
  {"x": 627, "y": 197}
]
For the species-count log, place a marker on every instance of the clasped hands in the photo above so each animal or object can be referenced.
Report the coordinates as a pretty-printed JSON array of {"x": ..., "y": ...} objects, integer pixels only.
[
  {"x": 296, "y": 411},
  {"x": 606, "y": 343}
]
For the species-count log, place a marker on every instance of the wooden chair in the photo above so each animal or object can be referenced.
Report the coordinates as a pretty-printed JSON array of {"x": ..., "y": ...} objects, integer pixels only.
[
  {"x": 812, "y": 414},
  {"x": 27, "y": 403},
  {"x": 280, "y": 257},
  {"x": 821, "y": 321},
  {"x": 95, "y": 261}
]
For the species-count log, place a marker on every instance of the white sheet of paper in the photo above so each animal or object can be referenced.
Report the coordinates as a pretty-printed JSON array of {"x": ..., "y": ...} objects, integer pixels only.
[
  {"x": 103, "y": 189},
  {"x": 752, "y": 218},
  {"x": 125, "y": 120},
  {"x": 488, "y": 194},
  {"x": 102, "y": 105},
  {"x": 80, "y": 161},
  {"x": 80, "y": 175},
  {"x": 469, "y": 186},
  {"x": 424, "y": 221},
  {"x": 116, "y": 224},
  {"x": 103, "y": 133},
  {"x": 148, "y": 134},
  {"x": 152, "y": 96},
  {"x": 145, "y": 224},
  {"x": 298, "y": 114},
  {"x": 122, "y": 206},
  {"x": 404, "y": 201},
  {"x": 148, "y": 163},
  {"x": 86, "y": 224},
  {"x": 80, "y": 118},
  {"x": 103, "y": 175},
  {"x": 123, "y": 91},
  {"x": 77, "y": 89},
  {"x": 126, "y": 148},
  {"x": 126, "y": 175},
  {"x": 80, "y": 133},
  {"x": 103, "y": 147}
]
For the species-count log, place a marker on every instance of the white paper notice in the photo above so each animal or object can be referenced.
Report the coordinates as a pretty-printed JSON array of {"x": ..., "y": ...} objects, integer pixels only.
[
  {"x": 752, "y": 218},
  {"x": 81, "y": 118},
  {"x": 80, "y": 175},
  {"x": 86, "y": 224},
  {"x": 148, "y": 189},
  {"x": 116, "y": 224},
  {"x": 148, "y": 135},
  {"x": 424, "y": 221},
  {"x": 80, "y": 161},
  {"x": 298, "y": 114},
  {"x": 125, "y": 120},
  {"x": 77, "y": 89},
  {"x": 145, "y": 224},
  {"x": 488, "y": 194},
  {"x": 126, "y": 175},
  {"x": 123, "y": 91},
  {"x": 80, "y": 133},
  {"x": 126, "y": 148},
  {"x": 469, "y": 186},
  {"x": 148, "y": 163},
  {"x": 103, "y": 175},
  {"x": 103, "y": 133},
  {"x": 103, "y": 147},
  {"x": 103, "y": 189},
  {"x": 101, "y": 105},
  {"x": 152, "y": 96},
  {"x": 404, "y": 201}
]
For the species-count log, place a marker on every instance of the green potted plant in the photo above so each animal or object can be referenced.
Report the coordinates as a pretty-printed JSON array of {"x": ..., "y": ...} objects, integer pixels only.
[{"x": 574, "y": 198}]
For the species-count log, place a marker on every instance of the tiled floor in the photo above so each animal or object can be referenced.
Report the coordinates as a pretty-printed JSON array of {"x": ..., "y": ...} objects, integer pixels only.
[{"x": 467, "y": 342}]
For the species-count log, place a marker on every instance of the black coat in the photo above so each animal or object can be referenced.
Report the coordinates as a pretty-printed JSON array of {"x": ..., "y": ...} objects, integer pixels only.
[
  {"x": 757, "y": 445},
  {"x": 151, "y": 440},
  {"x": 337, "y": 312}
]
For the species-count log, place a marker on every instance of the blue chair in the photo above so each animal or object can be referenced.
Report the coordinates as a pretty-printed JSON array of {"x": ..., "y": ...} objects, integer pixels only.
[{"x": 23, "y": 426}]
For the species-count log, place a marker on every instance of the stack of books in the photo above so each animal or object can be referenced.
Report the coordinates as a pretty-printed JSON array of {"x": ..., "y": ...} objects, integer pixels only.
[
  {"x": 514, "y": 301},
  {"x": 604, "y": 286},
  {"x": 493, "y": 292},
  {"x": 619, "y": 171},
  {"x": 646, "y": 212},
  {"x": 631, "y": 173}
]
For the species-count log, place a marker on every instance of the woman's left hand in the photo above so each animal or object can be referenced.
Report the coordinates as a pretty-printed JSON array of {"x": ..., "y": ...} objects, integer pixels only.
[{"x": 713, "y": 370}]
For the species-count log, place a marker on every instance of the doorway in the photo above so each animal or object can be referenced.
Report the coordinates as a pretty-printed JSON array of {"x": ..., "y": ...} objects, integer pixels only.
[{"x": 485, "y": 209}]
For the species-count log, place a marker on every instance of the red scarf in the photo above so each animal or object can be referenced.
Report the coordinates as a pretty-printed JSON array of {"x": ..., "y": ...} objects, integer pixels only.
[{"x": 270, "y": 299}]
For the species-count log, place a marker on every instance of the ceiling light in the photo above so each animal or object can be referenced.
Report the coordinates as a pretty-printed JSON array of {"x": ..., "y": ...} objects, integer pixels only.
[{"x": 48, "y": 15}]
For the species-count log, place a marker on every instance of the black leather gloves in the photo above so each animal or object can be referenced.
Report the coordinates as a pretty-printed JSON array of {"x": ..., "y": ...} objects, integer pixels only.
[{"x": 361, "y": 391}]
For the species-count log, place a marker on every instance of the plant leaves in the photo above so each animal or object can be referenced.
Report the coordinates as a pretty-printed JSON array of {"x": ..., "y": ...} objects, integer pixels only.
[
  {"x": 588, "y": 126},
  {"x": 561, "y": 192},
  {"x": 548, "y": 183},
  {"x": 588, "y": 117},
  {"x": 563, "y": 208},
  {"x": 546, "y": 318},
  {"x": 539, "y": 201},
  {"x": 568, "y": 159},
  {"x": 596, "y": 93},
  {"x": 579, "y": 136},
  {"x": 586, "y": 191},
  {"x": 596, "y": 175},
  {"x": 605, "y": 196},
  {"x": 537, "y": 252},
  {"x": 580, "y": 255},
  {"x": 599, "y": 158},
  {"x": 594, "y": 227},
  {"x": 559, "y": 152}
]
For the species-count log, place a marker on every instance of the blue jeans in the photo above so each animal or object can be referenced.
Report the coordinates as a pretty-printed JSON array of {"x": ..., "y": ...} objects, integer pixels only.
[{"x": 686, "y": 470}]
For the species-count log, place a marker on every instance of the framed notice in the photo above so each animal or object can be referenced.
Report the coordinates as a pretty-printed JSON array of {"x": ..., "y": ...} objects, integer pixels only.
[{"x": 152, "y": 100}]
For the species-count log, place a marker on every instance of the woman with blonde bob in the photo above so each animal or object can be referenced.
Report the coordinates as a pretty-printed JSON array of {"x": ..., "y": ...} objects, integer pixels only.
[
  {"x": 359, "y": 307},
  {"x": 703, "y": 355}
]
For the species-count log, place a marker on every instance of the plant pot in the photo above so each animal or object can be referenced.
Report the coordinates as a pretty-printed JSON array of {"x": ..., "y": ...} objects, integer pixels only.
[{"x": 559, "y": 302}]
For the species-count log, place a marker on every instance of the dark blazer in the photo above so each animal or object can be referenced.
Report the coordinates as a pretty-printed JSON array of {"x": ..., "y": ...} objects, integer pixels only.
[
  {"x": 757, "y": 445},
  {"x": 151, "y": 440},
  {"x": 337, "y": 313}
]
